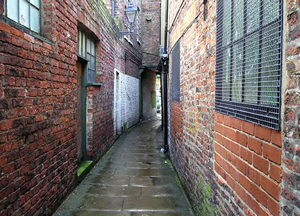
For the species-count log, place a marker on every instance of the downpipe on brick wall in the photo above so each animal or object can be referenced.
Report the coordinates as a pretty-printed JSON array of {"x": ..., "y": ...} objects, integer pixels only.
[{"x": 165, "y": 70}]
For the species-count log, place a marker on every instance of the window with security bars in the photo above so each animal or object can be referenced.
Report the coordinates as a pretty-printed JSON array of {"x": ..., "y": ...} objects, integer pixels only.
[
  {"x": 25, "y": 12},
  {"x": 249, "y": 53},
  {"x": 87, "y": 50}
]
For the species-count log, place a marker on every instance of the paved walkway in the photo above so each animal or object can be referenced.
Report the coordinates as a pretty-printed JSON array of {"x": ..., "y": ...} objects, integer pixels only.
[{"x": 131, "y": 180}]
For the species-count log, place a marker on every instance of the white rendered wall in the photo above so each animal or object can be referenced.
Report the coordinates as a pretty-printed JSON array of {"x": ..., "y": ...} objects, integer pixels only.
[{"x": 126, "y": 102}]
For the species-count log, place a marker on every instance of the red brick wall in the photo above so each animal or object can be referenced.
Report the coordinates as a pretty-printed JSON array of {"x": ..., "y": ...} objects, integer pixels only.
[
  {"x": 176, "y": 131},
  {"x": 236, "y": 167},
  {"x": 132, "y": 63},
  {"x": 248, "y": 158},
  {"x": 191, "y": 121},
  {"x": 37, "y": 125},
  {"x": 291, "y": 123},
  {"x": 151, "y": 32},
  {"x": 38, "y": 104}
]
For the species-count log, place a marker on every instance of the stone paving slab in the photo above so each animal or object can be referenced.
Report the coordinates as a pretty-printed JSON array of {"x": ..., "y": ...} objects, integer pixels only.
[
  {"x": 146, "y": 203},
  {"x": 148, "y": 181},
  {"x": 102, "y": 203},
  {"x": 109, "y": 180},
  {"x": 115, "y": 191},
  {"x": 124, "y": 213},
  {"x": 132, "y": 179}
]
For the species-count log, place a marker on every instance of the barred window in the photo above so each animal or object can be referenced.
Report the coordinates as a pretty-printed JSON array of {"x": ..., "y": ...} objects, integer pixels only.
[
  {"x": 176, "y": 72},
  {"x": 249, "y": 53},
  {"x": 87, "y": 50},
  {"x": 25, "y": 12}
]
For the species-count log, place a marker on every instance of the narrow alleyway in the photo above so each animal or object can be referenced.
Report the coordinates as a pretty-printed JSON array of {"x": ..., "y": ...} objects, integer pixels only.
[{"x": 131, "y": 180}]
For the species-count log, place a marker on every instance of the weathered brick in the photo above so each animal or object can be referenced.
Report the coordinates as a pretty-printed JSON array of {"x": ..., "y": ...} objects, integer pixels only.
[
  {"x": 241, "y": 138},
  {"x": 261, "y": 164},
  {"x": 277, "y": 138},
  {"x": 275, "y": 172},
  {"x": 246, "y": 155},
  {"x": 263, "y": 133},
  {"x": 273, "y": 206},
  {"x": 271, "y": 187},
  {"x": 254, "y": 175},
  {"x": 255, "y": 145},
  {"x": 6, "y": 125},
  {"x": 272, "y": 153},
  {"x": 293, "y": 18},
  {"x": 292, "y": 50}
]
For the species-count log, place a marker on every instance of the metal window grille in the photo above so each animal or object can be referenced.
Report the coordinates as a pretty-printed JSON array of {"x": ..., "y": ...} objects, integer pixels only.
[
  {"x": 249, "y": 60},
  {"x": 176, "y": 72}
]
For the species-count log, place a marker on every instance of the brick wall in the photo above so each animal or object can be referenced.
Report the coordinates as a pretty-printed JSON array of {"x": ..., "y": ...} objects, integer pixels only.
[
  {"x": 176, "y": 131},
  {"x": 192, "y": 126},
  {"x": 132, "y": 64},
  {"x": 39, "y": 107},
  {"x": 100, "y": 99},
  {"x": 291, "y": 126},
  {"x": 37, "y": 122},
  {"x": 229, "y": 166},
  {"x": 151, "y": 32},
  {"x": 247, "y": 160}
]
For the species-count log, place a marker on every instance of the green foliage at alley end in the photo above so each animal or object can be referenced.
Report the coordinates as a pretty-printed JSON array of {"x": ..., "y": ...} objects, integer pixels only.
[{"x": 153, "y": 99}]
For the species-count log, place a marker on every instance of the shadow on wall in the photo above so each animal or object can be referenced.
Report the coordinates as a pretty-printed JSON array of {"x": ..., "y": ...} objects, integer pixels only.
[{"x": 148, "y": 78}]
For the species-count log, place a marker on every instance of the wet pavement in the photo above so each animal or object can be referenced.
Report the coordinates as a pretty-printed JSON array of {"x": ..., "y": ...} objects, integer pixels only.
[{"x": 132, "y": 179}]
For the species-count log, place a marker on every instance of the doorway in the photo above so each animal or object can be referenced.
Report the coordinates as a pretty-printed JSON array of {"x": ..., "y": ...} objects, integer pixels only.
[
  {"x": 117, "y": 104},
  {"x": 81, "y": 111}
]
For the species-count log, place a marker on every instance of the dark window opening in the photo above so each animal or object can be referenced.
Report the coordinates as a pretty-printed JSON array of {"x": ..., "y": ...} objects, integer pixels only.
[
  {"x": 176, "y": 72},
  {"x": 87, "y": 50}
]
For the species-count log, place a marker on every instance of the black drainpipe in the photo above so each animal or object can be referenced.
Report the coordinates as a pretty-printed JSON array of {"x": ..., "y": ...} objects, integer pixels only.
[
  {"x": 165, "y": 70},
  {"x": 166, "y": 28}
]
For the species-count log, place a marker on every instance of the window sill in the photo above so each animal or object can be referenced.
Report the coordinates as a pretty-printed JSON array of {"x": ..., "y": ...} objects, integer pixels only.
[
  {"x": 95, "y": 84},
  {"x": 24, "y": 29}
]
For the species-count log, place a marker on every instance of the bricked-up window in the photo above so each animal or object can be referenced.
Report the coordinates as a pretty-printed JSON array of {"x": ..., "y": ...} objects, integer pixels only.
[
  {"x": 176, "y": 72},
  {"x": 25, "y": 12},
  {"x": 87, "y": 50},
  {"x": 249, "y": 44}
]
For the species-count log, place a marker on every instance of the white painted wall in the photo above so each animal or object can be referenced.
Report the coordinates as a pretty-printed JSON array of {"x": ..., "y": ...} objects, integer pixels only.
[{"x": 126, "y": 101}]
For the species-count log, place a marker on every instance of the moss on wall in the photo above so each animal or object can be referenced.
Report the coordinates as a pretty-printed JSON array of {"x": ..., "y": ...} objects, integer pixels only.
[{"x": 202, "y": 202}]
